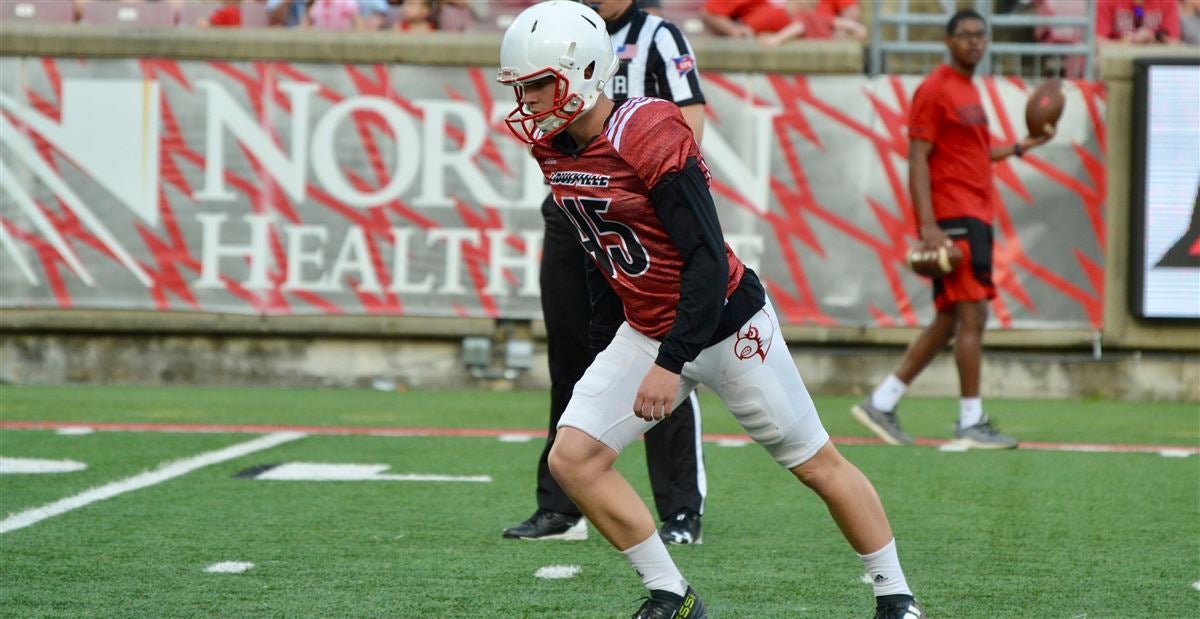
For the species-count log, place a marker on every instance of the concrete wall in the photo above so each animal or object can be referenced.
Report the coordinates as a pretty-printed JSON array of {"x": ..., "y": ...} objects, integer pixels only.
[{"x": 408, "y": 363}]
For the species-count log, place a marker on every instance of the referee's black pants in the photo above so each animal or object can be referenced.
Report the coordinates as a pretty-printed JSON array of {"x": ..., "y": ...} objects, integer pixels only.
[{"x": 674, "y": 456}]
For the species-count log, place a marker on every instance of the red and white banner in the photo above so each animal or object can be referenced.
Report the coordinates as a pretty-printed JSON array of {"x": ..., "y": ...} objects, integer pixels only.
[{"x": 281, "y": 188}]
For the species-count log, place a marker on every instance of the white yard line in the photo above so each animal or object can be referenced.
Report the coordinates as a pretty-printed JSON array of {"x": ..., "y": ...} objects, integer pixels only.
[{"x": 163, "y": 473}]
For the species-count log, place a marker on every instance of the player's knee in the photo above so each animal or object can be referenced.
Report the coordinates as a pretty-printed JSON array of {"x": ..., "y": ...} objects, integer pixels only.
[
  {"x": 971, "y": 318},
  {"x": 574, "y": 457},
  {"x": 818, "y": 471},
  {"x": 560, "y": 461}
]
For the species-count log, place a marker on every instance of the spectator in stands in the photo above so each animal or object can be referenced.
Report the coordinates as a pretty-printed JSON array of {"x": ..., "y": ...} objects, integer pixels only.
[
  {"x": 228, "y": 16},
  {"x": 333, "y": 14},
  {"x": 1189, "y": 21},
  {"x": 813, "y": 20},
  {"x": 345, "y": 14},
  {"x": 1138, "y": 21},
  {"x": 744, "y": 18},
  {"x": 846, "y": 9},
  {"x": 455, "y": 15},
  {"x": 287, "y": 13},
  {"x": 775, "y": 23},
  {"x": 373, "y": 14},
  {"x": 416, "y": 16}
]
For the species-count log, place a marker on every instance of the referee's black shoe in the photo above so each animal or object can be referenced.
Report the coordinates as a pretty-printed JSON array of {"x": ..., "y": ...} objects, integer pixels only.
[
  {"x": 667, "y": 605},
  {"x": 682, "y": 527},
  {"x": 547, "y": 525}
]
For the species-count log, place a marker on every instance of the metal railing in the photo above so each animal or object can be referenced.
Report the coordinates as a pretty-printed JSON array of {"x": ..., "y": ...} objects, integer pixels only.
[{"x": 1030, "y": 59}]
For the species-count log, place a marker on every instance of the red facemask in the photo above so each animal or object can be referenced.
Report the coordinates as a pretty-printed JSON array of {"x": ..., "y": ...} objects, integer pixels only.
[{"x": 530, "y": 127}]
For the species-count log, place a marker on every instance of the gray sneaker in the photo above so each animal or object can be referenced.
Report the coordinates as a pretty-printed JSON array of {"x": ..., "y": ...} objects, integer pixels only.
[
  {"x": 984, "y": 435},
  {"x": 883, "y": 423}
]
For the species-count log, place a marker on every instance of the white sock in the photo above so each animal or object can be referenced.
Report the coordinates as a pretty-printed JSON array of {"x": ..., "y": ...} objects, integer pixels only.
[
  {"x": 883, "y": 567},
  {"x": 970, "y": 412},
  {"x": 888, "y": 393},
  {"x": 653, "y": 563}
]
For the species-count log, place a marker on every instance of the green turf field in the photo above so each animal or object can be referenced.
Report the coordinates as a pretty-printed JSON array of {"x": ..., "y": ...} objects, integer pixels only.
[{"x": 1014, "y": 534}]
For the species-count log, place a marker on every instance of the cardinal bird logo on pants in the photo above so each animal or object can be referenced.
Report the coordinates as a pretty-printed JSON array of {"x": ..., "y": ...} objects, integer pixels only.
[{"x": 751, "y": 343}]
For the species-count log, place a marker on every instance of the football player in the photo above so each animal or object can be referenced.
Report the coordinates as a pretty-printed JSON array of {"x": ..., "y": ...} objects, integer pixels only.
[
  {"x": 950, "y": 179},
  {"x": 654, "y": 60},
  {"x": 630, "y": 179}
]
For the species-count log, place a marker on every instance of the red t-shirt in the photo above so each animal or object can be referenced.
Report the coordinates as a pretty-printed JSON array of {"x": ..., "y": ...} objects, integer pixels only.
[
  {"x": 226, "y": 17},
  {"x": 760, "y": 15},
  {"x": 834, "y": 8},
  {"x": 1116, "y": 18},
  {"x": 605, "y": 191},
  {"x": 947, "y": 112}
]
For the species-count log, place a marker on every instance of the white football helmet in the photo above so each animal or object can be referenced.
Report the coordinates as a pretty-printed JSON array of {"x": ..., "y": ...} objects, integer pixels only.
[{"x": 564, "y": 40}]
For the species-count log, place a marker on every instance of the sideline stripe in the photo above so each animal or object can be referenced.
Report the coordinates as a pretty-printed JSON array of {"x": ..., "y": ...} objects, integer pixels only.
[
  {"x": 163, "y": 473},
  {"x": 498, "y": 432}
]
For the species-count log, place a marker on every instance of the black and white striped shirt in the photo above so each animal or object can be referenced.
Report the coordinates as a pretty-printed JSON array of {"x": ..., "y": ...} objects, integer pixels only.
[{"x": 656, "y": 60}]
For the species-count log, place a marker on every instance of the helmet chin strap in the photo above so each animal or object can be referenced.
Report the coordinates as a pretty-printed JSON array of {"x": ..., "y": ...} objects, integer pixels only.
[{"x": 552, "y": 122}]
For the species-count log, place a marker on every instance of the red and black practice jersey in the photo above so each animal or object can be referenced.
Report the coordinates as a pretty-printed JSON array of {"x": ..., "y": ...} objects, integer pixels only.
[{"x": 605, "y": 189}]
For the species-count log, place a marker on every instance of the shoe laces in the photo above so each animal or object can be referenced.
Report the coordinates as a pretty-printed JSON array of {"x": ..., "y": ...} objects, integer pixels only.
[
  {"x": 653, "y": 609},
  {"x": 680, "y": 516},
  {"x": 658, "y": 608},
  {"x": 987, "y": 426}
]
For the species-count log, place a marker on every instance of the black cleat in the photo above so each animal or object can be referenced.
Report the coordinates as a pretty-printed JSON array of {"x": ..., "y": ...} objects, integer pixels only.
[
  {"x": 667, "y": 605},
  {"x": 545, "y": 524},
  {"x": 682, "y": 527},
  {"x": 898, "y": 607}
]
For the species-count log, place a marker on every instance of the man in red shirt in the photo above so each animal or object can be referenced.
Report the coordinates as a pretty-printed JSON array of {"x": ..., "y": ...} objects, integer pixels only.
[
  {"x": 1138, "y": 21},
  {"x": 630, "y": 179},
  {"x": 950, "y": 179}
]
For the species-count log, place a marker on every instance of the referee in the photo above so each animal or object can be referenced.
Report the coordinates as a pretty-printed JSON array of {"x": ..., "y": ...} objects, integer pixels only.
[{"x": 656, "y": 60}]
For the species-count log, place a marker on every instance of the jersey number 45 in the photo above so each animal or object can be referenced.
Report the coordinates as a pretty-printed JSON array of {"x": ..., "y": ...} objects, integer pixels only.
[{"x": 612, "y": 244}]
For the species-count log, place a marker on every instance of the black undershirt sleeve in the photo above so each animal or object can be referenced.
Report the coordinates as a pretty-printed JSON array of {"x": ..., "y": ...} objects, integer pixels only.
[
  {"x": 685, "y": 207},
  {"x": 607, "y": 310}
]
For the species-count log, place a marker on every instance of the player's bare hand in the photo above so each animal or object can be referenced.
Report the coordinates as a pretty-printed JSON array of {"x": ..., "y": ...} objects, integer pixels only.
[
  {"x": 1039, "y": 139},
  {"x": 933, "y": 237},
  {"x": 656, "y": 394}
]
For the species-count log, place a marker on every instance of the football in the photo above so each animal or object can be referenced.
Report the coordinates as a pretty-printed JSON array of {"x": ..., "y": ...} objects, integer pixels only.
[
  {"x": 1045, "y": 106},
  {"x": 934, "y": 262}
]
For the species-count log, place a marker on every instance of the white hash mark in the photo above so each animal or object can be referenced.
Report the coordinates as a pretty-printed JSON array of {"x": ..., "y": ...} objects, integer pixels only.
[
  {"x": 229, "y": 567},
  {"x": 558, "y": 571}
]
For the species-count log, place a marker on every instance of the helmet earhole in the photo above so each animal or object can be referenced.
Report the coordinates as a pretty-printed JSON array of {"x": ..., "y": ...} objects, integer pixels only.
[{"x": 587, "y": 73}]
